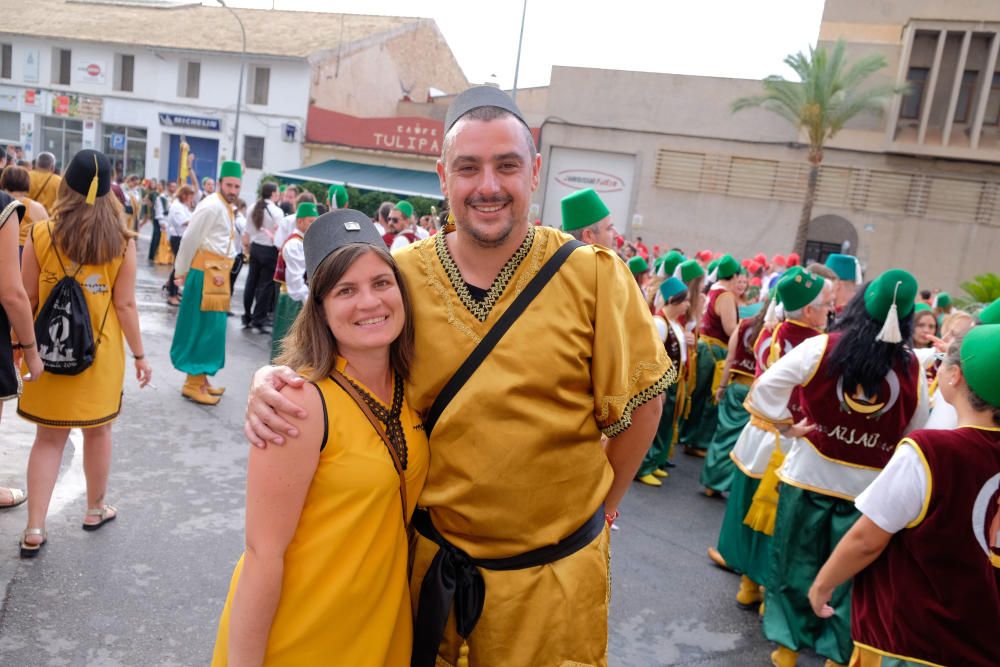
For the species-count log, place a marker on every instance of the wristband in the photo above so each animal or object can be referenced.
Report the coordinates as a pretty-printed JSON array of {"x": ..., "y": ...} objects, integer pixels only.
[
  {"x": 610, "y": 518},
  {"x": 24, "y": 346},
  {"x": 138, "y": 357}
]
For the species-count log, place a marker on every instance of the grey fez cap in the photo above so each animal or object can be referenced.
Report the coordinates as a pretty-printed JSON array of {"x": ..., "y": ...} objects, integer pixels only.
[
  {"x": 476, "y": 98},
  {"x": 335, "y": 229}
]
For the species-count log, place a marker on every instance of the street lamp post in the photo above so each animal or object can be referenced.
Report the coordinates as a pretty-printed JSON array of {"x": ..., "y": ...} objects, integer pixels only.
[
  {"x": 520, "y": 40},
  {"x": 239, "y": 90}
]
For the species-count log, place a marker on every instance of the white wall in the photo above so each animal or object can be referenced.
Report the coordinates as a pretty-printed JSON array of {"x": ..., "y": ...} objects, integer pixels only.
[{"x": 156, "y": 75}]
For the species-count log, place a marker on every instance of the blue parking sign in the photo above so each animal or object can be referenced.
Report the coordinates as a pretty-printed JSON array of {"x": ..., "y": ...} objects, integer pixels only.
[{"x": 117, "y": 142}]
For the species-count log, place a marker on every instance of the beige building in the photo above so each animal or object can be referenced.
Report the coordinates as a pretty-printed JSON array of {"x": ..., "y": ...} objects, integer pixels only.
[{"x": 916, "y": 188}]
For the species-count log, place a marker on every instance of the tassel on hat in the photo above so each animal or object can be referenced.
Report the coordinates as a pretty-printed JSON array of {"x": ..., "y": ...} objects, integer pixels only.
[
  {"x": 857, "y": 271},
  {"x": 92, "y": 191},
  {"x": 890, "y": 330},
  {"x": 771, "y": 316}
]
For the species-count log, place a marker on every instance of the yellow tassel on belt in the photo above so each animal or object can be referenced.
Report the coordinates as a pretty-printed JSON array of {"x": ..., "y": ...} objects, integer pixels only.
[{"x": 764, "y": 507}]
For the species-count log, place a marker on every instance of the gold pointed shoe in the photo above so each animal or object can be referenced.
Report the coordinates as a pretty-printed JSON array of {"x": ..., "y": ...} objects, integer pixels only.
[
  {"x": 662, "y": 474},
  {"x": 194, "y": 390},
  {"x": 214, "y": 391},
  {"x": 749, "y": 593},
  {"x": 831, "y": 663},
  {"x": 784, "y": 657},
  {"x": 717, "y": 558},
  {"x": 649, "y": 480}
]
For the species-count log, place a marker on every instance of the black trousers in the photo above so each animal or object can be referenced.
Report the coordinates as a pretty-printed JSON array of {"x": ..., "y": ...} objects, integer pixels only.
[
  {"x": 259, "y": 293},
  {"x": 235, "y": 272},
  {"x": 175, "y": 245},
  {"x": 154, "y": 242}
]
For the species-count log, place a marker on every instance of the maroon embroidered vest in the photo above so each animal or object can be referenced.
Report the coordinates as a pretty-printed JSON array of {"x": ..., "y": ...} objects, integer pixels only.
[
  {"x": 279, "y": 269},
  {"x": 744, "y": 361},
  {"x": 852, "y": 427},
  {"x": 934, "y": 593},
  {"x": 672, "y": 345},
  {"x": 711, "y": 323},
  {"x": 762, "y": 351},
  {"x": 787, "y": 336}
]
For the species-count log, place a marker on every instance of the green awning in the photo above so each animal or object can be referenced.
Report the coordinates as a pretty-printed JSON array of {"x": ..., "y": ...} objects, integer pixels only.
[{"x": 407, "y": 182}]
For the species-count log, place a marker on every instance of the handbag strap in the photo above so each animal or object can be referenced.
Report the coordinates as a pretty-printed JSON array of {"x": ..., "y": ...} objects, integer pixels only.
[
  {"x": 345, "y": 384},
  {"x": 493, "y": 336}
]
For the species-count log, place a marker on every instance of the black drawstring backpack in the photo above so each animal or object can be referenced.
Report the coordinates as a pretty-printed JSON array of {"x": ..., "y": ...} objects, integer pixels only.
[{"x": 63, "y": 331}]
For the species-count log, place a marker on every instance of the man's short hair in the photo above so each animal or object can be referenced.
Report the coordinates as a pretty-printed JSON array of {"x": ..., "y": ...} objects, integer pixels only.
[
  {"x": 488, "y": 114},
  {"x": 578, "y": 233},
  {"x": 206, "y": 179},
  {"x": 384, "y": 210},
  {"x": 46, "y": 161}
]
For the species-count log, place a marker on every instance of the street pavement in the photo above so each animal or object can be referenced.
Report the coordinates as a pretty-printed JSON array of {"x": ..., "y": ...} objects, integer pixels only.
[{"x": 147, "y": 589}]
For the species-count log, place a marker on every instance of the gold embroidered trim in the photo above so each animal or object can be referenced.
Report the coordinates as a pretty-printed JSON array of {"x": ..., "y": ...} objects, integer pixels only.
[
  {"x": 425, "y": 253},
  {"x": 643, "y": 397},
  {"x": 481, "y": 309}
]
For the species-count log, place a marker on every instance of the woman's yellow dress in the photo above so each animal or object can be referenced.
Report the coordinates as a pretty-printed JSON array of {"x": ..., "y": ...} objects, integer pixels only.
[
  {"x": 344, "y": 595},
  {"x": 93, "y": 397}
]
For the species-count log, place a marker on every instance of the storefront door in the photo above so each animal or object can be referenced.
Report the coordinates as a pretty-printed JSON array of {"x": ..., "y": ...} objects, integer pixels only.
[{"x": 206, "y": 156}]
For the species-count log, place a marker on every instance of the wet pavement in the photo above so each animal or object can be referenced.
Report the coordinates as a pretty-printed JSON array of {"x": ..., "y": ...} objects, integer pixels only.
[{"x": 147, "y": 589}]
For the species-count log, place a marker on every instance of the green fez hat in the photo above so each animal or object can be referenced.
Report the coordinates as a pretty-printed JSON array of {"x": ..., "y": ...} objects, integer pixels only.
[
  {"x": 689, "y": 270},
  {"x": 799, "y": 290},
  {"x": 845, "y": 266},
  {"x": 406, "y": 208},
  {"x": 727, "y": 267},
  {"x": 337, "y": 194},
  {"x": 888, "y": 298},
  {"x": 306, "y": 209},
  {"x": 942, "y": 300},
  {"x": 230, "y": 169},
  {"x": 670, "y": 262},
  {"x": 714, "y": 263},
  {"x": 582, "y": 209},
  {"x": 920, "y": 307},
  {"x": 637, "y": 264},
  {"x": 991, "y": 313},
  {"x": 671, "y": 287},
  {"x": 981, "y": 362}
]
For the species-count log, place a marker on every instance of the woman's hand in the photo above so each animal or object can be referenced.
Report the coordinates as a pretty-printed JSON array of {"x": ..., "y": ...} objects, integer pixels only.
[
  {"x": 265, "y": 406},
  {"x": 35, "y": 365},
  {"x": 179, "y": 280},
  {"x": 819, "y": 600},
  {"x": 143, "y": 372},
  {"x": 720, "y": 392}
]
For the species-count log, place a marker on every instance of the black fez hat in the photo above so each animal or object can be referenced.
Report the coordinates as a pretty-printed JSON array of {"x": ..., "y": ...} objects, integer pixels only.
[
  {"x": 89, "y": 173},
  {"x": 335, "y": 229},
  {"x": 476, "y": 98}
]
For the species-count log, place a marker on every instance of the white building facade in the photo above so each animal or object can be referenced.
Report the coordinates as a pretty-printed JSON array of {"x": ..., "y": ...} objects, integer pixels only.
[{"x": 138, "y": 103}]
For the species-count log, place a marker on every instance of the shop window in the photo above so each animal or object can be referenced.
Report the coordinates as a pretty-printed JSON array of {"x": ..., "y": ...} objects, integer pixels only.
[
  {"x": 62, "y": 66},
  {"x": 965, "y": 95},
  {"x": 260, "y": 82},
  {"x": 124, "y": 72},
  {"x": 189, "y": 80},
  {"x": 6, "y": 51},
  {"x": 253, "y": 152},
  {"x": 126, "y": 147},
  {"x": 916, "y": 79}
]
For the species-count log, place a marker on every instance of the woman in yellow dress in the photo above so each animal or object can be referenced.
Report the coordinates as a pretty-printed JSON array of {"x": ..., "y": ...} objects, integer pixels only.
[
  {"x": 323, "y": 578},
  {"x": 87, "y": 239}
]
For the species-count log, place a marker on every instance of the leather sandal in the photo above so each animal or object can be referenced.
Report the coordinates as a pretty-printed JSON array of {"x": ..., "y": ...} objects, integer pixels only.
[
  {"x": 31, "y": 550},
  {"x": 101, "y": 512},
  {"x": 17, "y": 497}
]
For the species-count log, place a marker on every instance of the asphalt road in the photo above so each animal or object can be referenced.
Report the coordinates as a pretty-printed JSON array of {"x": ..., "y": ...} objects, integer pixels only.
[{"x": 148, "y": 589}]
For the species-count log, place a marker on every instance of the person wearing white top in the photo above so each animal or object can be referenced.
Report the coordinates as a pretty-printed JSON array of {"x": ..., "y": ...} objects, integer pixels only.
[
  {"x": 239, "y": 251},
  {"x": 259, "y": 291},
  {"x": 175, "y": 224}
]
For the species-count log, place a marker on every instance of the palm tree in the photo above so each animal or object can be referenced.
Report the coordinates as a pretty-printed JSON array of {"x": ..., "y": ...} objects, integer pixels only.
[{"x": 827, "y": 95}]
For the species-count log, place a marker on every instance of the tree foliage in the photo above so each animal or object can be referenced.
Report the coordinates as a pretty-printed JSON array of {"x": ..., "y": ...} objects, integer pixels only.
[{"x": 366, "y": 201}]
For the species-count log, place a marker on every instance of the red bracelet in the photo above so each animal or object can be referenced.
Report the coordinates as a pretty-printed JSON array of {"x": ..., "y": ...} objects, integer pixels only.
[{"x": 610, "y": 518}]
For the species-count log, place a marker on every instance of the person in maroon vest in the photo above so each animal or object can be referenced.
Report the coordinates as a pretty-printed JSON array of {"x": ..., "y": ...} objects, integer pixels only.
[
  {"x": 860, "y": 389},
  {"x": 717, "y": 324},
  {"x": 926, "y": 587}
]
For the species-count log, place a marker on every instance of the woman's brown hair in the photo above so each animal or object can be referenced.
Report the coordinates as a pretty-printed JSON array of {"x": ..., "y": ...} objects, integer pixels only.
[
  {"x": 309, "y": 346},
  {"x": 15, "y": 179},
  {"x": 89, "y": 233}
]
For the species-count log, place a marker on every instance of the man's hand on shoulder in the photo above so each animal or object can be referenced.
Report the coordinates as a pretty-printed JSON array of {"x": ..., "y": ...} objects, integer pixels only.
[{"x": 265, "y": 405}]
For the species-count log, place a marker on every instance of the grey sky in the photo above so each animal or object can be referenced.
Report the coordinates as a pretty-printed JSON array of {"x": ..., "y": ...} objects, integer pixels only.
[{"x": 729, "y": 38}]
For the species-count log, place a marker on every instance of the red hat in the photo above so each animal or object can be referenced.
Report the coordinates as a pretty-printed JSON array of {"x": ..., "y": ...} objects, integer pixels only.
[
  {"x": 656, "y": 250},
  {"x": 761, "y": 259},
  {"x": 779, "y": 260},
  {"x": 745, "y": 262},
  {"x": 753, "y": 266},
  {"x": 755, "y": 281},
  {"x": 793, "y": 259},
  {"x": 704, "y": 255},
  {"x": 619, "y": 241}
]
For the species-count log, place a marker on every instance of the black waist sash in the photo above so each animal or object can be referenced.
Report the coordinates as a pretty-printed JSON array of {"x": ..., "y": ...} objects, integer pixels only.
[{"x": 454, "y": 577}]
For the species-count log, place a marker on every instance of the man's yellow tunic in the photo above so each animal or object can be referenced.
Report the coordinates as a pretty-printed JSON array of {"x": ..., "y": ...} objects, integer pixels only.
[{"x": 516, "y": 458}]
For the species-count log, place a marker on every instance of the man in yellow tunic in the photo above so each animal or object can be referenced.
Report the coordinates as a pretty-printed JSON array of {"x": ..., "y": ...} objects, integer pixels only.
[
  {"x": 45, "y": 182},
  {"x": 519, "y": 489}
]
